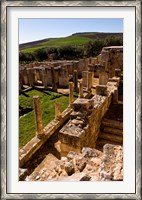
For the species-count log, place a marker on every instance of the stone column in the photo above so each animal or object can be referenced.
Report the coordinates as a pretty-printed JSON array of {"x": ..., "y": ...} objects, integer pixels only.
[
  {"x": 86, "y": 64},
  {"x": 80, "y": 67},
  {"x": 38, "y": 74},
  {"x": 111, "y": 71},
  {"x": 106, "y": 67},
  {"x": 38, "y": 117},
  {"x": 115, "y": 96},
  {"x": 30, "y": 77},
  {"x": 80, "y": 90},
  {"x": 89, "y": 81},
  {"x": 25, "y": 78},
  {"x": 91, "y": 69},
  {"x": 44, "y": 78},
  {"x": 95, "y": 61},
  {"x": 57, "y": 111},
  {"x": 54, "y": 86},
  {"x": 35, "y": 74},
  {"x": 84, "y": 77},
  {"x": 103, "y": 78},
  {"x": 75, "y": 80},
  {"x": 75, "y": 65},
  {"x": 71, "y": 96}
]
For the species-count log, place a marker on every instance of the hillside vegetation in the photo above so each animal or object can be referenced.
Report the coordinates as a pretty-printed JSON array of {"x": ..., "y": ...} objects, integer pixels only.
[{"x": 76, "y": 46}]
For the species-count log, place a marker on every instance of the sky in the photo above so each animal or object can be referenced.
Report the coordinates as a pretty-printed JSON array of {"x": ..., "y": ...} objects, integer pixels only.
[{"x": 37, "y": 29}]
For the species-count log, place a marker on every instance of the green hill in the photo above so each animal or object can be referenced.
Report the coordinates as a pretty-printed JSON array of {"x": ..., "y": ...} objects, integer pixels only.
[{"x": 76, "y": 39}]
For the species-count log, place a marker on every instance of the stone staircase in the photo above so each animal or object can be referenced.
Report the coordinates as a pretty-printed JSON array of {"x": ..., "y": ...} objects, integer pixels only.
[{"x": 111, "y": 132}]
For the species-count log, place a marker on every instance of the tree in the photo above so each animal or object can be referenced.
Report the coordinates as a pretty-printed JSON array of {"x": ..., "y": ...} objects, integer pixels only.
[
  {"x": 114, "y": 41},
  {"x": 93, "y": 48},
  {"x": 41, "y": 54},
  {"x": 26, "y": 57}
]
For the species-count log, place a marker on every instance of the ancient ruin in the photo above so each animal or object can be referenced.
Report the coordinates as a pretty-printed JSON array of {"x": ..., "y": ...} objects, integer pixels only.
[{"x": 85, "y": 141}]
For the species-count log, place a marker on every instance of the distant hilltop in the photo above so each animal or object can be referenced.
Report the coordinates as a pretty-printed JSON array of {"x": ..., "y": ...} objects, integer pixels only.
[
  {"x": 95, "y": 35},
  {"x": 76, "y": 39}
]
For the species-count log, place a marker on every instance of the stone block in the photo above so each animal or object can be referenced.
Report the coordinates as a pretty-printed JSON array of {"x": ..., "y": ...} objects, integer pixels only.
[
  {"x": 101, "y": 90},
  {"x": 83, "y": 104}
]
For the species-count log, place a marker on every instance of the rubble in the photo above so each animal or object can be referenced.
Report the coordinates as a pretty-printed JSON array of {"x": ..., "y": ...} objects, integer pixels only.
[{"x": 90, "y": 165}]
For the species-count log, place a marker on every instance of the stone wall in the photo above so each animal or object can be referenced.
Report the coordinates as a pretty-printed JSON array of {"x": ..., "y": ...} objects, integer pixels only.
[
  {"x": 113, "y": 55},
  {"x": 84, "y": 125},
  {"x": 83, "y": 128}
]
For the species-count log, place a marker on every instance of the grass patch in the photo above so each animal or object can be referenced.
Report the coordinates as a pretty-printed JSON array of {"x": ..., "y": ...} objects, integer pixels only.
[
  {"x": 27, "y": 128},
  {"x": 32, "y": 49},
  {"x": 71, "y": 40},
  {"x": 60, "y": 42}
]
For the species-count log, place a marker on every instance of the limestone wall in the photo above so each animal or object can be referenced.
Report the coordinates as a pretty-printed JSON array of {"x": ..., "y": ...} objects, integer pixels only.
[
  {"x": 83, "y": 128},
  {"x": 113, "y": 55},
  {"x": 84, "y": 125}
]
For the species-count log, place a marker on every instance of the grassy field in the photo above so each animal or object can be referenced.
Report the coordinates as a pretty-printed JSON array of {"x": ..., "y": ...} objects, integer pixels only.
[
  {"x": 27, "y": 128},
  {"x": 60, "y": 42}
]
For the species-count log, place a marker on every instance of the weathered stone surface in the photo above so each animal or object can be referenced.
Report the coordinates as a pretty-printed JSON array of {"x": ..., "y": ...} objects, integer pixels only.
[
  {"x": 103, "y": 78},
  {"x": 64, "y": 77},
  {"x": 80, "y": 90},
  {"x": 101, "y": 90},
  {"x": 71, "y": 90},
  {"x": 77, "y": 177},
  {"x": 89, "y": 81},
  {"x": 83, "y": 128},
  {"x": 88, "y": 152},
  {"x": 57, "y": 111},
  {"x": 94, "y": 165},
  {"x": 113, "y": 54},
  {"x": 75, "y": 80},
  {"x": 71, "y": 155},
  {"x": 69, "y": 168},
  {"x": 84, "y": 77},
  {"x": 111, "y": 166},
  {"x": 84, "y": 104}
]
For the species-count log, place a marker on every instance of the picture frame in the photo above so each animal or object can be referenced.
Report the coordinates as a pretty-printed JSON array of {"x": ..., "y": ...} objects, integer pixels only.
[{"x": 5, "y": 141}]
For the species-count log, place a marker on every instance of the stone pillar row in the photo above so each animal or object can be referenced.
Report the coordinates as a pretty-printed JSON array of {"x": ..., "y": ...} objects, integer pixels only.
[{"x": 51, "y": 76}]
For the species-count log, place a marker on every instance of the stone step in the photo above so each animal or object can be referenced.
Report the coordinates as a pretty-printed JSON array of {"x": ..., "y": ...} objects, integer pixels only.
[
  {"x": 114, "y": 131},
  {"x": 112, "y": 123},
  {"x": 111, "y": 137},
  {"x": 101, "y": 142}
]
